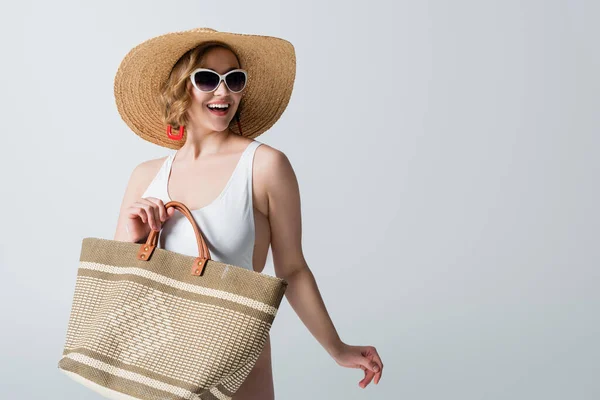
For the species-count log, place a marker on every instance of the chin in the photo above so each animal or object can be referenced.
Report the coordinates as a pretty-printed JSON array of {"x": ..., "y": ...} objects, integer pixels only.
[{"x": 218, "y": 127}]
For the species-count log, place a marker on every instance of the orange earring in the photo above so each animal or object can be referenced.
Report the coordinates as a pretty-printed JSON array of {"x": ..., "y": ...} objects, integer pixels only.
[{"x": 174, "y": 137}]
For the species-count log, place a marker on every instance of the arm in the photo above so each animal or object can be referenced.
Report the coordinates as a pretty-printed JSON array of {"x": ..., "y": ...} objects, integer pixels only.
[
  {"x": 283, "y": 196},
  {"x": 140, "y": 178},
  {"x": 132, "y": 192},
  {"x": 289, "y": 263}
]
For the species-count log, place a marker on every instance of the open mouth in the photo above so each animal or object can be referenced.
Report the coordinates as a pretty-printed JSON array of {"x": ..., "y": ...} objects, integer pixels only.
[{"x": 219, "y": 110}]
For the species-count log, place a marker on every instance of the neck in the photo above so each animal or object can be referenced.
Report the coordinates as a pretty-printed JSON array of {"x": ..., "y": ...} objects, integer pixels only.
[{"x": 199, "y": 144}]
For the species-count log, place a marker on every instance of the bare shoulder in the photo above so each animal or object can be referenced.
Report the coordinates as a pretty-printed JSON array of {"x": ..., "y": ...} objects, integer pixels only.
[
  {"x": 273, "y": 174},
  {"x": 272, "y": 165},
  {"x": 144, "y": 172}
]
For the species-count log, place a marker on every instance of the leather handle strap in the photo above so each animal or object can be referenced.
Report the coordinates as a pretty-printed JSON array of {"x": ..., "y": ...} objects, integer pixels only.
[
  {"x": 146, "y": 249},
  {"x": 202, "y": 247}
]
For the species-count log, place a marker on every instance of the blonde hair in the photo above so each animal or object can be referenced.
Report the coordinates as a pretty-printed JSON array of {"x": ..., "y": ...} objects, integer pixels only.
[{"x": 174, "y": 97}]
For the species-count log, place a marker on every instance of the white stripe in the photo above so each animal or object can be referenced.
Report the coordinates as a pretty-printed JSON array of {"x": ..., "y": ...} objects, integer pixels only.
[
  {"x": 142, "y": 379},
  {"x": 111, "y": 269},
  {"x": 217, "y": 393}
]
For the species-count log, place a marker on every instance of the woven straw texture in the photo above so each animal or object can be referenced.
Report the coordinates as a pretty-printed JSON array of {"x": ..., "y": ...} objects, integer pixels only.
[
  {"x": 151, "y": 330},
  {"x": 270, "y": 63}
]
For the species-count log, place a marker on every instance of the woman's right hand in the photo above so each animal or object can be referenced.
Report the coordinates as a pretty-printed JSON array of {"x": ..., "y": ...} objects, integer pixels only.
[{"x": 144, "y": 215}]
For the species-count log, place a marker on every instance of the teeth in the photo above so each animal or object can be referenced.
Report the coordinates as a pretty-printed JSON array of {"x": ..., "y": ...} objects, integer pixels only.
[{"x": 221, "y": 106}]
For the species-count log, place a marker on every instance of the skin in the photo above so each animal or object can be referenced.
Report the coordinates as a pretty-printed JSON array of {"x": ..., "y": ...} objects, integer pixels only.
[{"x": 211, "y": 146}]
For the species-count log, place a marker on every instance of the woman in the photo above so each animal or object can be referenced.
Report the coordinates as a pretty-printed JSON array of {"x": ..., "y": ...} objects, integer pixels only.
[{"x": 244, "y": 192}]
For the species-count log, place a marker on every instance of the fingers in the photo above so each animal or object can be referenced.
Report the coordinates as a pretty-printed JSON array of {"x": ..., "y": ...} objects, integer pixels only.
[
  {"x": 134, "y": 211},
  {"x": 152, "y": 213},
  {"x": 137, "y": 211},
  {"x": 149, "y": 211},
  {"x": 160, "y": 209},
  {"x": 369, "y": 374},
  {"x": 372, "y": 366},
  {"x": 380, "y": 365}
]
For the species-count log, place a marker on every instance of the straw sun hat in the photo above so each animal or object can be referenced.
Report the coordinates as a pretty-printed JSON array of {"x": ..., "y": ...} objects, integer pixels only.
[{"x": 270, "y": 63}]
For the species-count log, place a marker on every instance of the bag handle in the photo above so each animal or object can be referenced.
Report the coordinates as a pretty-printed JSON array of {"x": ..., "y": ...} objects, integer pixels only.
[{"x": 146, "y": 249}]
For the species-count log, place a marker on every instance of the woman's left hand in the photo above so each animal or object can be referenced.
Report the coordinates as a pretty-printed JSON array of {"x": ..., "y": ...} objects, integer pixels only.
[{"x": 363, "y": 357}]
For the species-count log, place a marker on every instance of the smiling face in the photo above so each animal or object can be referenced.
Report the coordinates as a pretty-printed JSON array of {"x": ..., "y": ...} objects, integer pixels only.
[{"x": 221, "y": 60}]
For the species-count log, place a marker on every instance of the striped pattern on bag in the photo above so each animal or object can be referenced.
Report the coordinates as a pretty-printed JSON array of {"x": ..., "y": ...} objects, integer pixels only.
[{"x": 151, "y": 330}]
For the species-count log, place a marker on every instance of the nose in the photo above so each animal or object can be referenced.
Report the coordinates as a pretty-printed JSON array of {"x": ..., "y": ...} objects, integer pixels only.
[{"x": 222, "y": 88}]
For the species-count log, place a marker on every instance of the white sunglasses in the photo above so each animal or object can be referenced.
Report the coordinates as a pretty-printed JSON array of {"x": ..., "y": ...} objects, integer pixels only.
[{"x": 206, "y": 80}]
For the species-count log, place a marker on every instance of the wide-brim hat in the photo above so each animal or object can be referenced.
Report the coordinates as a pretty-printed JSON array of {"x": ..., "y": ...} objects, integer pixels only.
[{"x": 270, "y": 63}]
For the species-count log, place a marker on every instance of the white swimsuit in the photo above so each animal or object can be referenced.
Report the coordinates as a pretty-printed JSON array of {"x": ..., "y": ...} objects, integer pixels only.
[{"x": 227, "y": 223}]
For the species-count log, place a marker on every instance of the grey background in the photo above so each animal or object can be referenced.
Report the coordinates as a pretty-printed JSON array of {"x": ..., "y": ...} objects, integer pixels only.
[{"x": 447, "y": 155}]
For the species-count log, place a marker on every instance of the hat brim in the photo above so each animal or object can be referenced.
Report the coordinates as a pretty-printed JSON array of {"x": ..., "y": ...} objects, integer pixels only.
[{"x": 269, "y": 61}]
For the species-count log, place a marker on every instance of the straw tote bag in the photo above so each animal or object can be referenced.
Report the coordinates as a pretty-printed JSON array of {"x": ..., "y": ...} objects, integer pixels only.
[{"x": 149, "y": 323}]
